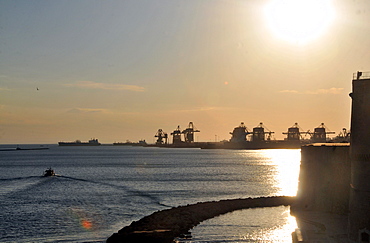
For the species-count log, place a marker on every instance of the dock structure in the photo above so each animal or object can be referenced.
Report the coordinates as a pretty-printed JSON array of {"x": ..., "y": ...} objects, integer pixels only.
[
  {"x": 177, "y": 141},
  {"x": 260, "y": 137}
]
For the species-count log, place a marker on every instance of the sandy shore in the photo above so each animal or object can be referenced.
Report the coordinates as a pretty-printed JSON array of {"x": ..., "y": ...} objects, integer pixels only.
[{"x": 163, "y": 226}]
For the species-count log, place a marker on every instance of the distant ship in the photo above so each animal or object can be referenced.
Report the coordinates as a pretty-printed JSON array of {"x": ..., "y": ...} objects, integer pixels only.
[
  {"x": 91, "y": 142},
  {"x": 128, "y": 143}
]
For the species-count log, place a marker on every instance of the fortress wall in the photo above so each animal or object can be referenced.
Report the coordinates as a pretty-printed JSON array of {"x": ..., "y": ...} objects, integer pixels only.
[
  {"x": 359, "y": 221},
  {"x": 335, "y": 178},
  {"x": 359, "y": 216},
  {"x": 324, "y": 180}
]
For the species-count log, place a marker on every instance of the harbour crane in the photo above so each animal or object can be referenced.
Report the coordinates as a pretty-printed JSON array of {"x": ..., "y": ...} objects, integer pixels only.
[
  {"x": 259, "y": 133},
  {"x": 176, "y": 136},
  {"x": 319, "y": 134},
  {"x": 162, "y": 137},
  {"x": 294, "y": 134},
  {"x": 189, "y": 133},
  {"x": 239, "y": 134}
]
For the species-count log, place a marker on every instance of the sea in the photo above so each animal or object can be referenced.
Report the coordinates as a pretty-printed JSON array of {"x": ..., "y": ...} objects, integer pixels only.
[{"x": 99, "y": 190}]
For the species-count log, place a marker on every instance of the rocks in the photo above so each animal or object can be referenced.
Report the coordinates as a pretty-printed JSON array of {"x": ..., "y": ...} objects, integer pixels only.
[{"x": 163, "y": 226}]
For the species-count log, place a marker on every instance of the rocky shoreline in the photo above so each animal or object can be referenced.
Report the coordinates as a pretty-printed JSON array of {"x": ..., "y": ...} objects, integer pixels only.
[{"x": 164, "y": 226}]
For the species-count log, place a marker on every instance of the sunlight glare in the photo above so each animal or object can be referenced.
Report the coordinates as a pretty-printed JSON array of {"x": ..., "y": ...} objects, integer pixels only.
[
  {"x": 299, "y": 21},
  {"x": 287, "y": 163},
  {"x": 86, "y": 224},
  {"x": 285, "y": 224},
  {"x": 285, "y": 229}
]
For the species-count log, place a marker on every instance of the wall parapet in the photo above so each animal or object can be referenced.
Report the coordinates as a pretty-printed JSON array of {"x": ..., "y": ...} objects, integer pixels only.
[{"x": 361, "y": 75}]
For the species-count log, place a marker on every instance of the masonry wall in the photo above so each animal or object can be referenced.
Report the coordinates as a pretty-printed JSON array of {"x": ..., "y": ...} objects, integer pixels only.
[
  {"x": 324, "y": 180},
  {"x": 359, "y": 217}
]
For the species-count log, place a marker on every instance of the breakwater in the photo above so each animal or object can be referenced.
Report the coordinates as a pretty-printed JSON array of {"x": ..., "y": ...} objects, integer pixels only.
[{"x": 163, "y": 226}]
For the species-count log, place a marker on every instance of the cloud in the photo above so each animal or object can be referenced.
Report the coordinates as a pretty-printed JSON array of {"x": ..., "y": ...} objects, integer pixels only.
[
  {"x": 201, "y": 109},
  {"x": 289, "y": 91},
  {"x": 314, "y": 92},
  {"x": 327, "y": 91},
  {"x": 84, "y": 110},
  {"x": 106, "y": 86}
]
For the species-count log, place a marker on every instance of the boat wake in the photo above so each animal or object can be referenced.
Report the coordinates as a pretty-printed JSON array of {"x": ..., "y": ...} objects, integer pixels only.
[
  {"x": 130, "y": 191},
  {"x": 16, "y": 185},
  {"x": 18, "y": 178}
]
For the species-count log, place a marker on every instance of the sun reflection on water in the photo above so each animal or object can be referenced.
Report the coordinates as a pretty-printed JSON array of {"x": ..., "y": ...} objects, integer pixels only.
[
  {"x": 277, "y": 233},
  {"x": 267, "y": 225},
  {"x": 273, "y": 224},
  {"x": 286, "y": 162},
  {"x": 282, "y": 233}
]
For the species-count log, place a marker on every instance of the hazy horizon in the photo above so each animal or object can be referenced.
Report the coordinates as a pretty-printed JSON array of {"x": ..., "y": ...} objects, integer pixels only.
[{"x": 121, "y": 70}]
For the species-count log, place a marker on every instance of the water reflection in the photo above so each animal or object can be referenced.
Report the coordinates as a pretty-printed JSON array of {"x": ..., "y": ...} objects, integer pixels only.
[
  {"x": 268, "y": 225},
  {"x": 286, "y": 163},
  {"x": 280, "y": 170},
  {"x": 280, "y": 232}
]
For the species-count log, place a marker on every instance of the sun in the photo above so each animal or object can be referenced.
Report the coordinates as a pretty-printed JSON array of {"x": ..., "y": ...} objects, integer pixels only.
[{"x": 299, "y": 21}]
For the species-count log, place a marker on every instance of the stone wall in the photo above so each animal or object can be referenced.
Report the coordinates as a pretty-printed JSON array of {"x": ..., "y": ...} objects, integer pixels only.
[
  {"x": 324, "y": 180},
  {"x": 359, "y": 217}
]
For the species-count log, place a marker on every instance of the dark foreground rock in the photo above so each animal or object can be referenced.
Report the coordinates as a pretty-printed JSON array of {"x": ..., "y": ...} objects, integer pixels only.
[{"x": 163, "y": 226}]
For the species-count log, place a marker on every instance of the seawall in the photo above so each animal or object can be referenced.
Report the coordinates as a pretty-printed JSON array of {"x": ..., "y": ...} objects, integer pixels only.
[
  {"x": 324, "y": 178},
  {"x": 163, "y": 226},
  {"x": 322, "y": 203},
  {"x": 359, "y": 206}
]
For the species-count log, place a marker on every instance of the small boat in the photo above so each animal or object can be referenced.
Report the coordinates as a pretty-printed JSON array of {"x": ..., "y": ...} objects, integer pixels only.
[{"x": 49, "y": 172}]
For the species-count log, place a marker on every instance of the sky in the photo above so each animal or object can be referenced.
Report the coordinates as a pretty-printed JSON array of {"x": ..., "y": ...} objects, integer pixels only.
[{"x": 120, "y": 70}]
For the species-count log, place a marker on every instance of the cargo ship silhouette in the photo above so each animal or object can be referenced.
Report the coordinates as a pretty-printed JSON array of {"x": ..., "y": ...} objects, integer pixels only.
[{"x": 91, "y": 142}]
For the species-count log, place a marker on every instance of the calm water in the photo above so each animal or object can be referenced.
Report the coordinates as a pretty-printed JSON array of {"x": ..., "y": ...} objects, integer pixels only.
[{"x": 99, "y": 190}]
